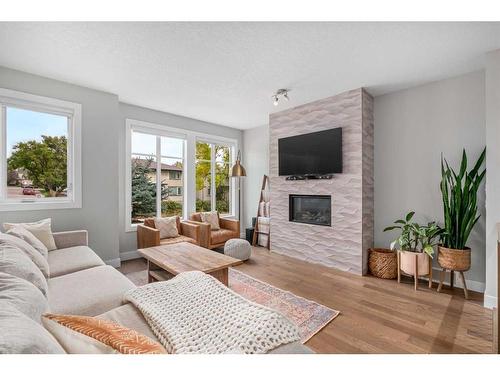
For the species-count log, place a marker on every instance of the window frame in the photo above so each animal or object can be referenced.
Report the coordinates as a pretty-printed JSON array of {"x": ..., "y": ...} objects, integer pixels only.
[
  {"x": 36, "y": 103},
  {"x": 188, "y": 175}
]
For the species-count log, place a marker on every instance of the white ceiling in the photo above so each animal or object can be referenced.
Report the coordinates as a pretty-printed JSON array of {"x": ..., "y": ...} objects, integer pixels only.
[{"x": 226, "y": 72}]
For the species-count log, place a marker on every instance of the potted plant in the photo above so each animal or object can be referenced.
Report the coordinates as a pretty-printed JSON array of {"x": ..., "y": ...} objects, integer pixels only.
[
  {"x": 459, "y": 193},
  {"x": 416, "y": 247}
]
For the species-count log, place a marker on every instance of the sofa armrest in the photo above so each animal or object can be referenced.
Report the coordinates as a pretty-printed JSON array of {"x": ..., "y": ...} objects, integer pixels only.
[
  {"x": 205, "y": 230},
  {"x": 147, "y": 237},
  {"x": 71, "y": 238},
  {"x": 190, "y": 230},
  {"x": 231, "y": 224}
]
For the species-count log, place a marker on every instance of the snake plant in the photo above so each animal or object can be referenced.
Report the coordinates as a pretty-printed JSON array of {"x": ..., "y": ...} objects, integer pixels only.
[{"x": 459, "y": 193}]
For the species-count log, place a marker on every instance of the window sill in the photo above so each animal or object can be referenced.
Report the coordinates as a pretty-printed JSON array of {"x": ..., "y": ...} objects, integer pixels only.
[{"x": 30, "y": 206}]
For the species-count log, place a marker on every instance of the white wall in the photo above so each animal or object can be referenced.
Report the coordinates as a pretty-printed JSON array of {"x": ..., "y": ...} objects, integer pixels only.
[
  {"x": 412, "y": 128},
  {"x": 128, "y": 241},
  {"x": 100, "y": 130},
  {"x": 493, "y": 175},
  {"x": 255, "y": 159}
]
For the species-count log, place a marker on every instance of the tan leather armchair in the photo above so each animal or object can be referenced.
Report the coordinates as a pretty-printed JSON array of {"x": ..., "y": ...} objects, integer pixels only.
[
  {"x": 212, "y": 239},
  {"x": 149, "y": 236}
]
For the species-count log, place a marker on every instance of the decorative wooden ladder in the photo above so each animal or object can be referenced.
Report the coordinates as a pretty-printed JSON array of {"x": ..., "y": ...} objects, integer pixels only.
[{"x": 265, "y": 184}]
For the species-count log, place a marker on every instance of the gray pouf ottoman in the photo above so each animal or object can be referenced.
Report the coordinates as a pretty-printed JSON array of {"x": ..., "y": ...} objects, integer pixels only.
[{"x": 238, "y": 248}]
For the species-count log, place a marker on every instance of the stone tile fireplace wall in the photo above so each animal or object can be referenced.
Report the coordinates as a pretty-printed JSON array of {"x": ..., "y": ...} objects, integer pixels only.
[{"x": 344, "y": 244}]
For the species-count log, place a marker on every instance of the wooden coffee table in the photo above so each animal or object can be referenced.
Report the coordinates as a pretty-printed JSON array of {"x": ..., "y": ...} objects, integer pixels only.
[{"x": 166, "y": 261}]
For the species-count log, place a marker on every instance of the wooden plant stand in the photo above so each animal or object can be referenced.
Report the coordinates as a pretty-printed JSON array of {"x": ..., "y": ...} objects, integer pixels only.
[
  {"x": 409, "y": 265},
  {"x": 452, "y": 278}
]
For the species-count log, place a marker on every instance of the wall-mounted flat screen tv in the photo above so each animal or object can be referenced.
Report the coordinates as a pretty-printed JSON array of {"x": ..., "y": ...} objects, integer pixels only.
[{"x": 318, "y": 153}]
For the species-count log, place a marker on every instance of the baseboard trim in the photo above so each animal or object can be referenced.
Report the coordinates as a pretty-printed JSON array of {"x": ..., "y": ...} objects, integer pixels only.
[
  {"x": 490, "y": 302},
  {"x": 113, "y": 262},
  {"x": 128, "y": 255}
]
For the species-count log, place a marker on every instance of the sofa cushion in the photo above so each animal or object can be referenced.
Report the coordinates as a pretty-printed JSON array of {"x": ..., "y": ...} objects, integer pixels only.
[
  {"x": 23, "y": 295},
  {"x": 167, "y": 226},
  {"x": 14, "y": 261},
  {"x": 29, "y": 250},
  {"x": 30, "y": 238},
  {"x": 211, "y": 218},
  {"x": 88, "y": 292},
  {"x": 41, "y": 229},
  {"x": 222, "y": 235},
  {"x": 72, "y": 259},
  {"x": 22, "y": 335},
  {"x": 178, "y": 239}
]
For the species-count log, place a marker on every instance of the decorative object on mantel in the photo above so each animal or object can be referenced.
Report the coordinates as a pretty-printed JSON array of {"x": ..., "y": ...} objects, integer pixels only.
[
  {"x": 238, "y": 171},
  {"x": 261, "y": 231},
  {"x": 383, "y": 263},
  {"x": 459, "y": 193},
  {"x": 416, "y": 244}
]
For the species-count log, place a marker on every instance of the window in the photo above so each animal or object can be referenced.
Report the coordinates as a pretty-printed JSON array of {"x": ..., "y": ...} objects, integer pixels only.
[
  {"x": 212, "y": 175},
  {"x": 174, "y": 175},
  {"x": 39, "y": 152},
  {"x": 153, "y": 192}
]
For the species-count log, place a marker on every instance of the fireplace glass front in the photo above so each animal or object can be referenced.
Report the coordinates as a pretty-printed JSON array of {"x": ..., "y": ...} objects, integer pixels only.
[{"x": 311, "y": 209}]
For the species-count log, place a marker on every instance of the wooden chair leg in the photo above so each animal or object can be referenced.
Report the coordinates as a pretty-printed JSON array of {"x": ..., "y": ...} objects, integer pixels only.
[
  {"x": 430, "y": 275},
  {"x": 441, "y": 279},
  {"x": 466, "y": 292},
  {"x": 416, "y": 273},
  {"x": 399, "y": 269},
  {"x": 452, "y": 279}
]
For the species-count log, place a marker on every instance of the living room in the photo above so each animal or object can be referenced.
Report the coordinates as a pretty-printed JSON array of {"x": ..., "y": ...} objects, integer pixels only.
[{"x": 203, "y": 187}]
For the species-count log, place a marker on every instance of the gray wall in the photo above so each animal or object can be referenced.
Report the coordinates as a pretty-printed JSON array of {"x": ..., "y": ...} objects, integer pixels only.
[
  {"x": 100, "y": 129},
  {"x": 412, "y": 128},
  {"x": 256, "y": 162},
  {"x": 128, "y": 242}
]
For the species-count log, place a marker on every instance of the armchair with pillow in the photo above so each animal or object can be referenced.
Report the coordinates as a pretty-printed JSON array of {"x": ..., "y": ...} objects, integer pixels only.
[
  {"x": 166, "y": 231},
  {"x": 215, "y": 230}
]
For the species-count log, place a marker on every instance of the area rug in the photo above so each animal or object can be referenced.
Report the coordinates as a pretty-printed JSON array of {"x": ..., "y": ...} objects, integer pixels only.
[{"x": 309, "y": 316}]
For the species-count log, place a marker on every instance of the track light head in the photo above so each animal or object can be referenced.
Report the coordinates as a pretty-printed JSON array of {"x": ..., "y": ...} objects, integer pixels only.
[
  {"x": 280, "y": 93},
  {"x": 275, "y": 100}
]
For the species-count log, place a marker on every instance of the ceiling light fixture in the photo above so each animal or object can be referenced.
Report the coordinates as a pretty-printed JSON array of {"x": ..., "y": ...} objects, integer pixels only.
[{"x": 281, "y": 93}]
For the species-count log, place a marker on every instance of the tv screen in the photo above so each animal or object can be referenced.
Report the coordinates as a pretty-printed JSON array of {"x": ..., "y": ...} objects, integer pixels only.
[{"x": 318, "y": 153}]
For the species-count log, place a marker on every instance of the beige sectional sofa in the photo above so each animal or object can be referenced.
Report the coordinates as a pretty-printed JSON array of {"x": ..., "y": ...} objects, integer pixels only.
[{"x": 80, "y": 283}]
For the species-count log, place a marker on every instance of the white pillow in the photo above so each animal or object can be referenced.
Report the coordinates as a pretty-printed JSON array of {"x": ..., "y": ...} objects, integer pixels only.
[
  {"x": 24, "y": 296},
  {"x": 40, "y": 229},
  {"x": 167, "y": 226},
  {"x": 30, "y": 238},
  {"x": 29, "y": 250},
  {"x": 15, "y": 262},
  {"x": 211, "y": 218}
]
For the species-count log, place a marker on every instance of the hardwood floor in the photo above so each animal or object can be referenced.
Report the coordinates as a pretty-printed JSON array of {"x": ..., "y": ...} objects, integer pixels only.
[{"x": 377, "y": 316}]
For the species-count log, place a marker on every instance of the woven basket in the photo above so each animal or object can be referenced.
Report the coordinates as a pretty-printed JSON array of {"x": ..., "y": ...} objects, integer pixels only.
[
  {"x": 453, "y": 259},
  {"x": 383, "y": 263}
]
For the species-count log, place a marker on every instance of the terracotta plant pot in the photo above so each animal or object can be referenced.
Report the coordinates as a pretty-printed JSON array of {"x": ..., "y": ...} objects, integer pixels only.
[
  {"x": 454, "y": 259},
  {"x": 383, "y": 263},
  {"x": 414, "y": 264}
]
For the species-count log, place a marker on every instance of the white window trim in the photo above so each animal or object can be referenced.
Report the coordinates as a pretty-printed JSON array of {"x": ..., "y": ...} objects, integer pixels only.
[
  {"x": 189, "y": 190},
  {"x": 48, "y": 105}
]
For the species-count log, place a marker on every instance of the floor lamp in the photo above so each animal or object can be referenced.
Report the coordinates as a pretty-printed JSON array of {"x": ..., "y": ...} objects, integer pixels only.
[{"x": 237, "y": 172}]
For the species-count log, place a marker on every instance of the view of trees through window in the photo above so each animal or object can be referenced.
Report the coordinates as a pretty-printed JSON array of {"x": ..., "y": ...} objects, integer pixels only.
[
  {"x": 150, "y": 179},
  {"x": 37, "y": 154},
  {"x": 212, "y": 159}
]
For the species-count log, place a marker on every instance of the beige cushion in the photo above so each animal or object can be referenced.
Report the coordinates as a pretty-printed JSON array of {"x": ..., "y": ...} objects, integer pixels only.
[
  {"x": 15, "y": 262},
  {"x": 29, "y": 250},
  {"x": 22, "y": 335},
  {"x": 88, "y": 292},
  {"x": 90, "y": 335},
  {"x": 211, "y": 218},
  {"x": 72, "y": 259},
  {"x": 23, "y": 295},
  {"x": 41, "y": 229},
  {"x": 167, "y": 226},
  {"x": 30, "y": 238},
  {"x": 222, "y": 235}
]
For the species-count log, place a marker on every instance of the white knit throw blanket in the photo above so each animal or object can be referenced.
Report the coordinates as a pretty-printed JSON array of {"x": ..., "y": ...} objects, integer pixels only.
[{"x": 195, "y": 313}]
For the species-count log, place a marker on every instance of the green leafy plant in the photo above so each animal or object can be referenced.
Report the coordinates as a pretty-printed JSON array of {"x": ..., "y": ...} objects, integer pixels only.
[
  {"x": 415, "y": 237},
  {"x": 459, "y": 193}
]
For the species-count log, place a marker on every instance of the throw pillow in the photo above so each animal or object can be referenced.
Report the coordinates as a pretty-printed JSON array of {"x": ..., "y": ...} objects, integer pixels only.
[
  {"x": 23, "y": 295},
  {"x": 30, "y": 238},
  {"x": 22, "y": 335},
  {"x": 15, "y": 262},
  {"x": 211, "y": 218},
  {"x": 29, "y": 250},
  {"x": 89, "y": 335},
  {"x": 167, "y": 226},
  {"x": 40, "y": 229}
]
